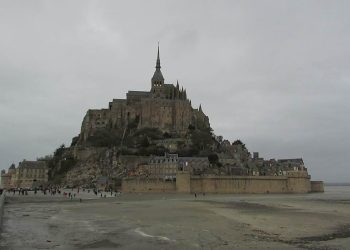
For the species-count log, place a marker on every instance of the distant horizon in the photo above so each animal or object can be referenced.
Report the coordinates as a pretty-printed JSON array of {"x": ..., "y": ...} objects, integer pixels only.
[{"x": 337, "y": 183}]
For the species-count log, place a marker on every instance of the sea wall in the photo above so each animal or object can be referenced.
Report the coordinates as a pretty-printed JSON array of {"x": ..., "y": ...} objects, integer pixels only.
[
  {"x": 296, "y": 183},
  {"x": 2, "y": 203},
  {"x": 317, "y": 186},
  {"x": 138, "y": 185},
  {"x": 183, "y": 182},
  {"x": 239, "y": 184}
]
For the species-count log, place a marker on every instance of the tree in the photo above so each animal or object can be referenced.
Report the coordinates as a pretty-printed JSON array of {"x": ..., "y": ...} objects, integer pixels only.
[
  {"x": 166, "y": 135},
  {"x": 219, "y": 138},
  {"x": 134, "y": 123},
  {"x": 191, "y": 127},
  {"x": 152, "y": 133},
  {"x": 201, "y": 139},
  {"x": 74, "y": 141},
  {"x": 213, "y": 158},
  {"x": 59, "y": 151},
  {"x": 145, "y": 143},
  {"x": 104, "y": 138},
  {"x": 238, "y": 142}
]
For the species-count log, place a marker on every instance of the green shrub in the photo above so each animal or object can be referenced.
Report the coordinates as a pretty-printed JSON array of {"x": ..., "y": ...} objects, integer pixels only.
[{"x": 104, "y": 138}]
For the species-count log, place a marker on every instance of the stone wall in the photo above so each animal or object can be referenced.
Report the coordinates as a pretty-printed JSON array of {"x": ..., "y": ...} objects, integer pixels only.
[
  {"x": 183, "y": 182},
  {"x": 221, "y": 184},
  {"x": 317, "y": 186},
  {"x": 137, "y": 185},
  {"x": 84, "y": 153},
  {"x": 298, "y": 182},
  {"x": 239, "y": 184},
  {"x": 2, "y": 203},
  {"x": 173, "y": 114},
  {"x": 132, "y": 161}
]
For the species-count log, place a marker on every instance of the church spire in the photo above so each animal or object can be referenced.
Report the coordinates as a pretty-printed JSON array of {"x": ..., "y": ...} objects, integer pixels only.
[
  {"x": 158, "y": 59},
  {"x": 157, "y": 79}
]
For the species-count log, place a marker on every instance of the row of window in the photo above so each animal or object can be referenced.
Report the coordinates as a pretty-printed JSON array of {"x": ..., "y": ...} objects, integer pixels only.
[
  {"x": 31, "y": 169},
  {"x": 164, "y": 160},
  {"x": 102, "y": 123},
  {"x": 31, "y": 175}
]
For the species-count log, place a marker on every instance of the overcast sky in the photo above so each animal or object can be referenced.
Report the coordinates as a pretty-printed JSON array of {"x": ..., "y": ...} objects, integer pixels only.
[{"x": 274, "y": 74}]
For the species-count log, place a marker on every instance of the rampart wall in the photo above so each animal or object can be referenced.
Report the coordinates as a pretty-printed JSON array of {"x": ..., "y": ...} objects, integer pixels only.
[
  {"x": 317, "y": 186},
  {"x": 2, "y": 203},
  {"x": 222, "y": 184},
  {"x": 138, "y": 185},
  {"x": 239, "y": 184}
]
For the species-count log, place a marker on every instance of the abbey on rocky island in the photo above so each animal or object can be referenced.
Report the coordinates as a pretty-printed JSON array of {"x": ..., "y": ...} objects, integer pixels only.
[
  {"x": 154, "y": 141},
  {"x": 165, "y": 107}
]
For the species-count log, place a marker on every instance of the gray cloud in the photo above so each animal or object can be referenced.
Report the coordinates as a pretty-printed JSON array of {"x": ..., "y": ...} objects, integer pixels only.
[{"x": 272, "y": 73}]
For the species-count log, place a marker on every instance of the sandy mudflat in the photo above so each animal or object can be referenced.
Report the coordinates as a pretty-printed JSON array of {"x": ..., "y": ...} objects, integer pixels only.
[{"x": 169, "y": 221}]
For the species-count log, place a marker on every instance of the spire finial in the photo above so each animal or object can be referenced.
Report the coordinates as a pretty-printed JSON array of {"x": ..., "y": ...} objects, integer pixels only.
[{"x": 158, "y": 59}]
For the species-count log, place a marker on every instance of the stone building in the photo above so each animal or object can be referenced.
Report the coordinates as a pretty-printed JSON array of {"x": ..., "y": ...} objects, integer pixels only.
[
  {"x": 296, "y": 164},
  {"x": 165, "y": 167},
  {"x": 165, "y": 107},
  {"x": 237, "y": 160},
  {"x": 278, "y": 167},
  {"x": 195, "y": 165},
  {"x": 28, "y": 174},
  {"x": 5, "y": 179}
]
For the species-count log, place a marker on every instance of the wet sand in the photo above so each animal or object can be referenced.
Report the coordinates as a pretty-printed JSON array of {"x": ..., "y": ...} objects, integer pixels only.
[{"x": 173, "y": 221}]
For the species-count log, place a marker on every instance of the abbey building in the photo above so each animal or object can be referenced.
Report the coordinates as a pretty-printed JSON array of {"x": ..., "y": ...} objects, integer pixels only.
[{"x": 164, "y": 106}]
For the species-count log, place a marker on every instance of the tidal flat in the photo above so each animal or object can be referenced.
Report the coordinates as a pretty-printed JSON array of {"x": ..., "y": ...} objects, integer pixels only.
[{"x": 179, "y": 221}]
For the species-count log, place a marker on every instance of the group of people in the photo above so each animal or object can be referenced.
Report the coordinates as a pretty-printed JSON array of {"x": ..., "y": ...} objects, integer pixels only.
[
  {"x": 195, "y": 195},
  {"x": 68, "y": 193},
  {"x": 21, "y": 191}
]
